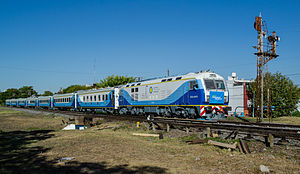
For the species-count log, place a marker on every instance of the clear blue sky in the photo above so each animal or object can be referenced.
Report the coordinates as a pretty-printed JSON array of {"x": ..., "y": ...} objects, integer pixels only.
[{"x": 50, "y": 44}]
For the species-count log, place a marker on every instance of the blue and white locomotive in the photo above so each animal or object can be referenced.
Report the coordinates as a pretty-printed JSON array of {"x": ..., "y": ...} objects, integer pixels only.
[{"x": 194, "y": 95}]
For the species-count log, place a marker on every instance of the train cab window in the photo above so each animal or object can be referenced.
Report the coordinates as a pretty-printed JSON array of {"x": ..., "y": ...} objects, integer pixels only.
[
  {"x": 136, "y": 89},
  {"x": 178, "y": 78},
  {"x": 193, "y": 85},
  {"x": 170, "y": 79},
  {"x": 219, "y": 84},
  {"x": 209, "y": 84},
  {"x": 163, "y": 80},
  {"x": 132, "y": 89}
]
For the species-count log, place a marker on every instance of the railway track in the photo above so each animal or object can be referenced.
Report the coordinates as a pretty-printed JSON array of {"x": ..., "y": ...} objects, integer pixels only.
[{"x": 260, "y": 129}]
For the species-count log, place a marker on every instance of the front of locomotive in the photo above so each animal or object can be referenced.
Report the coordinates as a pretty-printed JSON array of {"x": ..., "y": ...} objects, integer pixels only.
[{"x": 214, "y": 104}]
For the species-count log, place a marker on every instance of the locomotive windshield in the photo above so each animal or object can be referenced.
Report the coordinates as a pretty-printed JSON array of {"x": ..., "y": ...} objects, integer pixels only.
[
  {"x": 214, "y": 84},
  {"x": 219, "y": 84}
]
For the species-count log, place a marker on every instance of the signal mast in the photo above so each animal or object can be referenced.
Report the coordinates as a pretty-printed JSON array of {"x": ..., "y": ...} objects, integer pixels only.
[{"x": 263, "y": 57}]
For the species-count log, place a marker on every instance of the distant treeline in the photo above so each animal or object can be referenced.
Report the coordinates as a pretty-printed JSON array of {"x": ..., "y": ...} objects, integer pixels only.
[{"x": 28, "y": 91}]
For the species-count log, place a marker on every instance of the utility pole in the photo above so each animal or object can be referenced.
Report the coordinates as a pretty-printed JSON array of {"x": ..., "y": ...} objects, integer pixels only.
[{"x": 262, "y": 58}]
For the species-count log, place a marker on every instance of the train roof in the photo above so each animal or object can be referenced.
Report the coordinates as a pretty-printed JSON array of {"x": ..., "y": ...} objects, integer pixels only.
[
  {"x": 94, "y": 90},
  {"x": 64, "y": 95},
  {"x": 41, "y": 97},
  {"x": 196, "y": 75}
]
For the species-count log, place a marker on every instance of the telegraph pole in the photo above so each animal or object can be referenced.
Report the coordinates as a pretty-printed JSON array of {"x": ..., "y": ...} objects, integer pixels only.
[{"x": 262, "y": 58}]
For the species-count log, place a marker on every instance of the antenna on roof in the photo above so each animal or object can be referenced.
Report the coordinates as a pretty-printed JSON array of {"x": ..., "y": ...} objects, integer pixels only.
[
  {"x": 94, "y": 67},
  {"x": 168, "y": 72}
]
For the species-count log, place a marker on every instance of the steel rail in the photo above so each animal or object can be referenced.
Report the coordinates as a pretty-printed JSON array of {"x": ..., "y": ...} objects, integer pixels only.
[{"x": 276, "y": 129}]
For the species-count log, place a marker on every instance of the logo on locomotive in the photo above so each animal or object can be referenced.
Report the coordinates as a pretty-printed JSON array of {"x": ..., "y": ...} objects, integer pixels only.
[{"x": 150, "y": 90}]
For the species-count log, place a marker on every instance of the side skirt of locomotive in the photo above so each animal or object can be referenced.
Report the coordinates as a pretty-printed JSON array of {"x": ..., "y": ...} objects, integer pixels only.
[{"x": 184, "y": 111}]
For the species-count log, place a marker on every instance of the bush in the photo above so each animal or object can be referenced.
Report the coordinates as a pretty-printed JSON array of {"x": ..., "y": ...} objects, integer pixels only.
[{"x": 295, "y": 113}]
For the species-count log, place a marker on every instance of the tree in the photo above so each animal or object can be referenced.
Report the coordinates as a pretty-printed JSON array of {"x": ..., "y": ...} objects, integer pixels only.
[
  {"x": 26, "y": 91},
  {"x": 112, "y": 81},
  {"x": 12, "y": 93},
  {"x": 47, "y": 93},
  {"x": 8, "y": 94},
  {"x": 74, "y": 88},
  {"x": 284, "y": 95}
]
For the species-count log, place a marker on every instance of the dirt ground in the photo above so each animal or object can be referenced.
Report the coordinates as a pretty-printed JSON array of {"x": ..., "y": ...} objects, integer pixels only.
[{"x": 35, "y": 143}]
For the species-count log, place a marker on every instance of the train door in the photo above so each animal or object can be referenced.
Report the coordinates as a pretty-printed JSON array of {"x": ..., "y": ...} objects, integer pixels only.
[
  {"x": 116, "y": 96},
  {"x": 193, "y": 96}
]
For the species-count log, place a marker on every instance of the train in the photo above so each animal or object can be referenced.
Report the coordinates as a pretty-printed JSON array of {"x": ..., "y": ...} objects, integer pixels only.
[{"x": 199, "y": 95}]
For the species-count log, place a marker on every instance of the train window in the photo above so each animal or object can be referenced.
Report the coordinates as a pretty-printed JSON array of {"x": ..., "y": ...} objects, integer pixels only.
[
  {"x": 219, "y": 84},
  {"x": 209, "y": 84},
  {"x": 132, "y": 85},
  {"x": 193, "y": 84},
  {"x": 95, "y": 99},
  {"x": 138, "y": 84},
  {"x": 136, "y": 89},
  {"x": 102, "y": 97},
  {"x": 132, "y": 89},
  {"x": 106, "y": 97},
  {"x": 91, "y": 98},
  {"x": 178, "y": 78},
  {"x": 127, "y": 85},
  {"x": 83, "y": 98},
  {"x": 170, "y": 79},
  {"x": 110, "y": 96},
  {"x": 99, "y": 98},
  {"x": 212, "y": 75},
  {"x": 163, "y": 80}
]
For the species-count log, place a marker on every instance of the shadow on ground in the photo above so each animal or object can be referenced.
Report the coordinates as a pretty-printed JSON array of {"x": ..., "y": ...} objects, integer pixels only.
[{"x": 17, "y": 156}]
